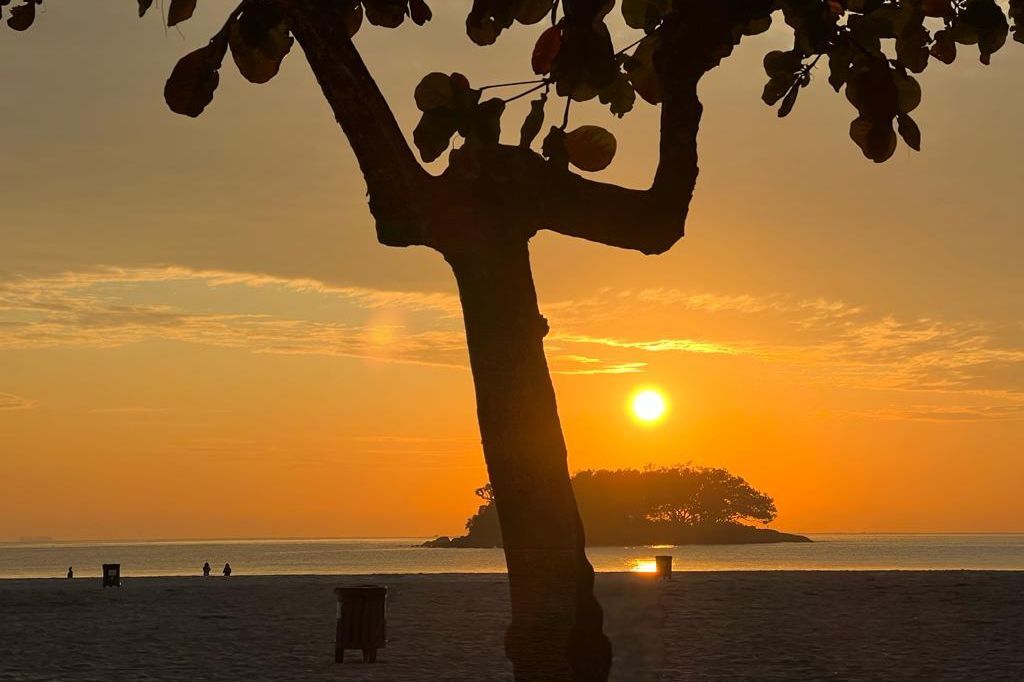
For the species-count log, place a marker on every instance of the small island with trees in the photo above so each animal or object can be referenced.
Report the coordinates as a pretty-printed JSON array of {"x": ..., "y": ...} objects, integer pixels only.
[{"x": 677, "y": 505}]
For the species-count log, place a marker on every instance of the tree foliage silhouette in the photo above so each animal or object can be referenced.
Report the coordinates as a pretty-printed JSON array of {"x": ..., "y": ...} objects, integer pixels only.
[
  {"x": 649, "y": 506},
  {"x": 481, "y": 212}
]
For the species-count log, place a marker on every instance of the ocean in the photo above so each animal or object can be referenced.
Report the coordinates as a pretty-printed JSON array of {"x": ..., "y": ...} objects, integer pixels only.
[{"x": 402, "y": 555}]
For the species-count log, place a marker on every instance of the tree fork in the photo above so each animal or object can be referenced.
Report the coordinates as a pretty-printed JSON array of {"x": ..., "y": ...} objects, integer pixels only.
[{"x": 556, "y": 630}]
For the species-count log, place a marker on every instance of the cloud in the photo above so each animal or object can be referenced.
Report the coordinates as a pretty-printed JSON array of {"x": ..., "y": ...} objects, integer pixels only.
[
  {"x": 102, "y": 309},
  {"x": 130, "y": 409},
  {"x": 654, "y": 345},
  {"x": 941, "y": 413},
  {"x": 817, "y": 341},
  {"x": 10, "y": 402},
  {"x": 99, "y": 309}
]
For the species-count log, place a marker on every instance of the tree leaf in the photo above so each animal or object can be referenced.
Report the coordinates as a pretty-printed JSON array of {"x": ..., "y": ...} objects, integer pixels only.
[
  {"x": 912, "y": 47},
  {"x": 179, "y": 11},
  {"x": 435, "y": 91},
  {"x": 354, "y": 20},
  {"x": 419, "y": 12},
  {"x": 545, "y": 51},
  {"x": 22, "y": 16},
  {"x": 757, "y": 26},
  {"x": 619, "y": 95},
  {"x": 635, "y": 13},
  {"x": 553, "y": 147},
  {"x": 644, "y": 14},
  {"x": 875, "y": 137},
  {"x": 982, "y": 22},
  {"x": 487, "y": 121},
  {"x": 532, "y": 11},
  {"x": 590, "y": 148},
  {"x": 908, "y": 92},
  {"x": 909, "y": 131},
  {"x": 386, "y": 13},
  {"x": 434, "y": 133},
  {"x": 259, "y": 61},
  {"x": 483, "y": 32},
  {"x": 1017, "y": 14},
  {"x": 533, "y": 122},
  {"x": 840, "y": 59},
  {"x": 776, "y": 88},
  {"x": 789, "y": 101},
  {"x": 190, "y": 87},
  {"x": 640, "y": 70},
  {"x": 778, "y": 64},
  {"x": 944, "y": 48},
  {"x": 937, "y": 8}
]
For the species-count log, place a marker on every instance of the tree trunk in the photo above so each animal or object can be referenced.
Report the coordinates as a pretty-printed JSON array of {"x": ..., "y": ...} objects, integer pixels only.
[{"x": 556, "y": 629}]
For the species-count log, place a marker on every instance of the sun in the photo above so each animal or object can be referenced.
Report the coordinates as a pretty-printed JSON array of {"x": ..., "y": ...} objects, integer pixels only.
[{"x": 648, "y": 406}]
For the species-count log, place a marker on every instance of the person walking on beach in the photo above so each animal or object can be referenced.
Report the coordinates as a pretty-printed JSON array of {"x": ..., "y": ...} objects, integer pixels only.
[
  {"x": 206, "y": 570},
  {"x": 71, "y": 573},
  {"x": 227, "y": 570}
]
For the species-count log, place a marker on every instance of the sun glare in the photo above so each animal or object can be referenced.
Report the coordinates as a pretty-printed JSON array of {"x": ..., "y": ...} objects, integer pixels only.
[
  {"x": 648, "y": 406},
  {"x": 641, "y": 566}
]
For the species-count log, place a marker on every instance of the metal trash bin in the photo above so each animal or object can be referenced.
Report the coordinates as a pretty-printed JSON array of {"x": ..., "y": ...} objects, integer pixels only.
[
  {"x": 362, "y": 621},
  {"x": 111, "y": 575},
  {"x": 663, "y": 566}
]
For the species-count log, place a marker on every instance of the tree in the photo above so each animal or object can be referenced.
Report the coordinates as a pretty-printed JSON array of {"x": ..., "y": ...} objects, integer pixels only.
[
  {"x": 481, "y": 212},
  {"x": 650, "y": 506}
]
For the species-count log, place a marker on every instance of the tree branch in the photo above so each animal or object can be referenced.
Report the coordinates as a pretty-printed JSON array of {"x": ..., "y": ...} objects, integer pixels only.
[
  {"x": 395, "y": 180},
  {"x": 649, "y": 221}
]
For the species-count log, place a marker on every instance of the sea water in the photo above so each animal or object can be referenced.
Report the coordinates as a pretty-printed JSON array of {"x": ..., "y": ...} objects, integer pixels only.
[{"x": 402, "y": 555}]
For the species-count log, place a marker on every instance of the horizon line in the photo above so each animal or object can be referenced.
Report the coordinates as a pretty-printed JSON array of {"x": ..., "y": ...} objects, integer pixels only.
[{"x": 39, "y": 540}]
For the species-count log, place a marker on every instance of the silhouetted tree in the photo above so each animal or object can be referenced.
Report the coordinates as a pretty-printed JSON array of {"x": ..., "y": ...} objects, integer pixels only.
[
  {"x": 653, "y": 505},
  {"x": 482, "y": 211}
]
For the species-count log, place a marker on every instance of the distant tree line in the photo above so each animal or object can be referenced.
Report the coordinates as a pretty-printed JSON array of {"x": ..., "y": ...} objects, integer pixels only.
[{"x": 680, "y": 504}]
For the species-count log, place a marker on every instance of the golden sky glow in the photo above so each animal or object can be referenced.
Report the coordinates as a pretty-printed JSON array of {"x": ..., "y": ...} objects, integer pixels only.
[{"x": 200, "y": 337}]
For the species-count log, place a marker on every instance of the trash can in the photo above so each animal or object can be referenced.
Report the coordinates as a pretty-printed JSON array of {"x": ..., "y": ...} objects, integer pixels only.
[
  {"x": 663, "y": 566},
  {"x": 111, "y": 575},
  {"x": 362, "y": 616}
]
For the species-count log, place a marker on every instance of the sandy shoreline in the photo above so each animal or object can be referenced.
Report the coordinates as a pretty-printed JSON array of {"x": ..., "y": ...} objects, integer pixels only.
[{"x": 905, "y": 625}]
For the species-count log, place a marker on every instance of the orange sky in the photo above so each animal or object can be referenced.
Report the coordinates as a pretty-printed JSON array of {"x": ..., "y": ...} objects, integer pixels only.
[{"x": 200, "y": 337}]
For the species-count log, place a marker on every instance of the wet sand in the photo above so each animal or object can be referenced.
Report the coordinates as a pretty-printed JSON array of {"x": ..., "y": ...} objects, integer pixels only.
[{"x": 941, "y": 625}]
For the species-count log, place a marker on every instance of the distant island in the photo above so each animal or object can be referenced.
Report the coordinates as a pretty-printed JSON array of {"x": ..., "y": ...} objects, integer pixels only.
[{"x": 678, "y": 505}]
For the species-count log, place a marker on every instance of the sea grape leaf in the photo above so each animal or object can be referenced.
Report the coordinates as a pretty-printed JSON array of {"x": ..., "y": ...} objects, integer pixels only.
[
  {"x": 875, "y": 137},
  {"x": 546, "y": 50},
  {"x": 354, "y": 20},
  {"x": 386, "y": 13},
  {"x": 618, "y": 95},
  {"x": 194, "y": 79},
  {"x": 435, "y": 91},
  {"x": 419, "y": 12},
  {"x": 789, "y": 101},
  {"x": 533, "y": 122},
  {"x": 179, "y": 11},
  {"x": 22, "y": 16},
  {"x": 909, "y": 131},
  {"x": 434, "y": 133},
  {"x": 258, "y": 56},
  {"x": 590, "y": 148},
  {"x": 553, "y": 147},
  {"x": 640, "y": 71},
  {"x": 532, "y": 11}
]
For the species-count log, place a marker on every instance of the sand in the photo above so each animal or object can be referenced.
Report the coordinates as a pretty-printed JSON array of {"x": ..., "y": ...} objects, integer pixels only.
[{"x": 700, "y": 626}]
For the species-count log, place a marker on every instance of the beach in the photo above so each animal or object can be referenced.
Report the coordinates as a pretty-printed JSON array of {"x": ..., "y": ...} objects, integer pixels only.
[{"x": 730, "y": 625}]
